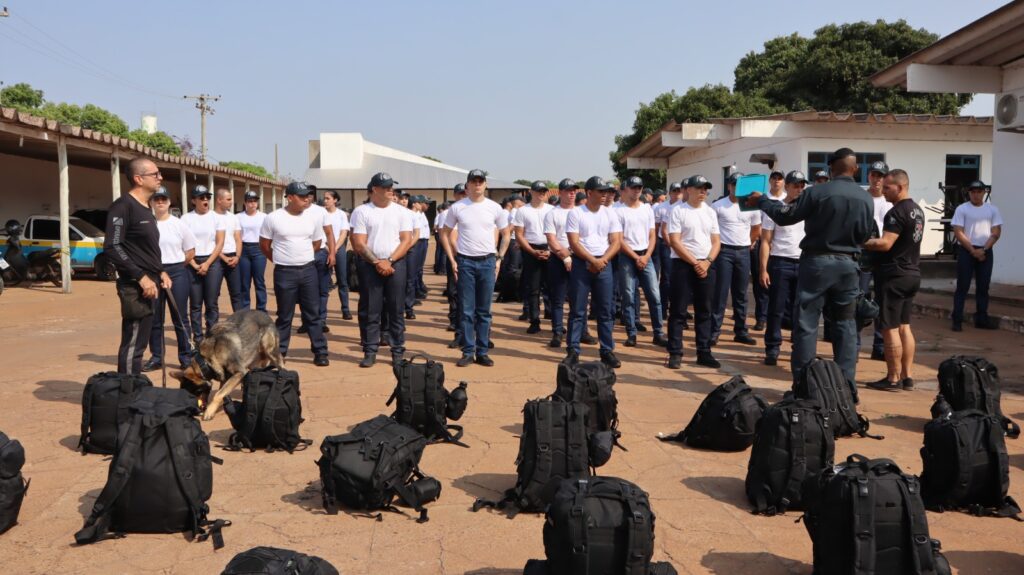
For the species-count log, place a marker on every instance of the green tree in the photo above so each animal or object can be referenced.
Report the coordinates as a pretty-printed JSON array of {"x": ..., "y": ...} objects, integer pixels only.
[
  {"x": 159, "y": 141},
  {"x": 22, "y": 97},
  {"x": 90, "y": 117},
  {"x": 696, "y": 105},
  {"x": 829, "y": 71},
  {"x": 254, "y": 169}
]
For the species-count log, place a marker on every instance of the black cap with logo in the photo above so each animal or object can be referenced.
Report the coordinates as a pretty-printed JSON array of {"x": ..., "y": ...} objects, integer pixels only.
[
  {"x": 538, "y": 186},
  {"x": 200, "y": 191},
  {"x": 821, "y": 175},
  {"x": 568, "y": 184},
  {"x": 251, "y": 195},
  {"x": 459, "y": 189},
  {"x": 795, "y": 177},
  {"x": 977, "y": 185},
  {"x": 162, "y": 193},
  {"x": 297, "y": 189},
  {"x": 382, "y": 180},
  {"x": 476, "y": 174},
  {"x": 595, "y": 183},
  {"x": 633, "y": 182},
  {"x": 698, "y": 182},
  {"x": 879, "y": 167}
]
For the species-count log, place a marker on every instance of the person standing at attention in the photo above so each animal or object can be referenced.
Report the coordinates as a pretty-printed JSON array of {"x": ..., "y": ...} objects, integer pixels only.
[
  {"x": 253, "y": 264},
  {"x": 977, "y": 226},
  {"x": 206, "y": 271}
]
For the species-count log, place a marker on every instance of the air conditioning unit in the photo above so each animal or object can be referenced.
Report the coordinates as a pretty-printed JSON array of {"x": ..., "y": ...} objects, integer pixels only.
[{"x": 1009, "y": 113}]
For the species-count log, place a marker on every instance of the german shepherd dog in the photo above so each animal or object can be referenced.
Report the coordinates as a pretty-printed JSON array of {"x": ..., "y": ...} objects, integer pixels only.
[{"x": 247, "y": 339}]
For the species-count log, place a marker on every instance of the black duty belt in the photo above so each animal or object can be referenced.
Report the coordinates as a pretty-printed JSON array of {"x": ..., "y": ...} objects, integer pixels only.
[
  {"x": 251, "y": 244},
  {"x": 642, "y": 252},
  {"x": 477, "y": 258},
  {"x": 539, "y": 247},
  {"x": 724, "y": 246},
  {"x": 785, "y": 259}
]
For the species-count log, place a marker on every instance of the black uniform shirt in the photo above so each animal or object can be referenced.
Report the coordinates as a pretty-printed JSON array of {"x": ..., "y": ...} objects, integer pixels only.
[
  {"x": 904, "y": 257},
  {"x": 133, "y": 239},
  {"x": 838, "y": 216}
]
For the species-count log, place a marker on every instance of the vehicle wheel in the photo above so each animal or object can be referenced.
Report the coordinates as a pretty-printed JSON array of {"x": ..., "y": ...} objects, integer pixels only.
[
  {"x": 13, "y": 279},
  {"x": 1, "y": 284},
  {"x": 55, "y": 275},
  {"x": 105, "y": 270}
]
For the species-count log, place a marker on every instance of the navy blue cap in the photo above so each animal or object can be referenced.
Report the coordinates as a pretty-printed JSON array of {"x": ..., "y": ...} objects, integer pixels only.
[
  {"x": 581, "y": 196},
  {"x": 840, "y": 154},
  {"x": 698, "y": 182},
  {"x": 251, "y": 195},
  {"x": 880, "y": 167},
  {"x": 821, "y": 174},
  {"x": 297, "y": 189},
  {"x": 568, "y": 184},
  {"x": 473, "y": 174},
  {"x": 633, "y": 182},
  {"x": 538, "y": 186},
  {"x": 796, "y": 176},
  {"x": 733, "y": 177},
  {"x": 162, "y": 193},
  {"x": 658, "y": 193},
  {"x": 382, "y": 180},
  {"x": 200, "y": 191},
  {"x": 595, "y": 183},
  {"x": 460, "y": 188},
  {"x": 553, "y": 199},
  {"x": 675, "y": 186},
  {"x": 977, "y": 184},
  {"x": 777, "y": 173}
]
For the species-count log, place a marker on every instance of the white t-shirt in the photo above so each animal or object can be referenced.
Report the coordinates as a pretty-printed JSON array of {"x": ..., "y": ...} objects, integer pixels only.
[
  {"x": 319, "y": 215},
  {"x": 423, "y": 224},
  {"x": 977, "y": 221},
  {"x": 291, "y": 237},
  {"x": 381, "y": 226},
  {"x": 251, "y": 226},
  {"x": 593, "y": 227},
  {"x": 695, "y": 227},
  {"x": 338, "y": 222},
  {"x": 554, "y": 223},
  {"x": 531, "y": 219},
  {"x": 637, "y": 224},
  {"x": 175, "y": 240},
  {"x": 477, "y": 223},
  {"x": 204, "y": 228},
  {"x": 882, "y": 206},
  {"x": 439, "y": 219},
  {"x": 231, "y": 225},
  {"x": 734, "y": 223},
  {"x": 786, "y": 239}
]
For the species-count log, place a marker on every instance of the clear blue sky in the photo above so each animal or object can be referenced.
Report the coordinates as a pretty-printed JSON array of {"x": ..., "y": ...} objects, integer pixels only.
[{"x": 523, "y": 89}]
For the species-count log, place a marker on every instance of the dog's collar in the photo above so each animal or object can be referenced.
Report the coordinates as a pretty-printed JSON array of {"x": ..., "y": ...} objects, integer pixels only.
[{"x": 205, "y": 368}]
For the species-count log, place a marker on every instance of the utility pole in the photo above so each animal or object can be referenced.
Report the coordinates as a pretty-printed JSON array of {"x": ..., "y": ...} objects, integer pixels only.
[
  {"x": 204, "y": 109},
  {"x": 276, "y": 177}
]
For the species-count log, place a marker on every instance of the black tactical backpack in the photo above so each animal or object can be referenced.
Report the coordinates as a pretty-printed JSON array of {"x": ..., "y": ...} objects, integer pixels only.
[
  {"x": 969, "y": 382},
  {"x": 554, "y": 446},
  {"x": 12, "y": 484},
  {"x": 793, "y": 441},
  {"x": 371, "y": 466},
  {"x": 423, "y": 402},
  {"x": 353, "y": 273},
  {"x": 725, "y": 420},
  {"x": 866, "y": 517},
  {"x": 161, "y": 475},
  {"x": 599, "y": 526},
  {"x": 105, "y": 402},
  {"x": 274, "y": 561},
  {"x": 823, "y": 380},
  {"x": 269, "y": 414},
  {"x": 966, "y": 465},
  {"x": 592, "y": 383}
]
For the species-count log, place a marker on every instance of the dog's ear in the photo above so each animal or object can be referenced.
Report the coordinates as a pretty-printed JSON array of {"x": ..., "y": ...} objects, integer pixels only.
[{"x": 176, "y": 374}]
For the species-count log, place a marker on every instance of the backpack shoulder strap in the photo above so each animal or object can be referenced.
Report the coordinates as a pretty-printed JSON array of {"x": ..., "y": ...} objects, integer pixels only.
[
  {"x": 543, "y": 456},
  {"x": 275, "y": 401},
  {"x": 98, "y": 523},
  {"x": 184, "y": 466},
  {"x": 920, "y": 542},
  {"x": 252, "y": 414},
  {"x": 863, "y": 499},
  {"x": 797, "y": 457},
  {"x": 576, "y": 440},
  {"x": 86, "y": 416},
  {"x": 639, "y": 543},
  {"x": 578, "y": 533}
]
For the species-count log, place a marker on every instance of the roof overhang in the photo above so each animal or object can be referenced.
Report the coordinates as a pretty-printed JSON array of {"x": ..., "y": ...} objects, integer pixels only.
[{"x": 969, "y": 60}]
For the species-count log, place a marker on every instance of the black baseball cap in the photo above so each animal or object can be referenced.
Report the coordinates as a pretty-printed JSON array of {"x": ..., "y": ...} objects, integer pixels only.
[
  {"x": 568, "y": 184},
  {"x": 733, "y": 177},
  {"x": 552, "y": 199},
  {"x": 459, "y": 189},
  {"x": 251, "y": 195},
  {"x": 675, "y": 186},
  {"x": 297, "y": 189},
  {"x": 633, "y": 182},
  {"x": 795, "y": 177},
  {"x": 821, "y": 174},
  {"x": 382, "y": 180},
  {"x": 840, "y": 154},
  {"x": 880, "y": 167},
  {"x": 698, "y": 182},
  {"x": 200, "y": 191},
  {"x": 162, "y": 193},
  {"x": 538, "y": 186},
  {"x": 595, "y": 183},
  {"x": 658, "y": 193},
  {"x": 581, "y": 196},
  {"x": 976, "y": 185},
  {"x": 777, "y": 174},
  {"x": 474, "y": 174}
]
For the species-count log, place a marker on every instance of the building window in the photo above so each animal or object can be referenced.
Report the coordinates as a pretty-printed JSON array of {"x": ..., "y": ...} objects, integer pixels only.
[{"x": 819, "y": 161}]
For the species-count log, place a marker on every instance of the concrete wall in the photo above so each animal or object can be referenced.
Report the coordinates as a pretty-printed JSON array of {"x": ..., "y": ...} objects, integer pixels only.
[
  {"x": 924, "y": 160},
  {"x": 1007, "y": 180}
]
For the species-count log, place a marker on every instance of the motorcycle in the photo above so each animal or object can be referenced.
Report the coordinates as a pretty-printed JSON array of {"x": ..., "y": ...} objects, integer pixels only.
[{"x": 39, "y": 266}]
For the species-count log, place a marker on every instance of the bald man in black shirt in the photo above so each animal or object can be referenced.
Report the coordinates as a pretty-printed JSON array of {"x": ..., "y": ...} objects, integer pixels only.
[{"x": 133, "y": 244}]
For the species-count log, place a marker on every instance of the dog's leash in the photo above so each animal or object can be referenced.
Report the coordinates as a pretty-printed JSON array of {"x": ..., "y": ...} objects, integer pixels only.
[{"x": 191, "y": 341}]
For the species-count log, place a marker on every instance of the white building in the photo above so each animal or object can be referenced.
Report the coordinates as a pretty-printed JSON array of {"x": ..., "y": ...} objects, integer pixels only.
[
  {"x": 984, "y": 57},
  {"x": 934, "y": 150},
  {"x": 345, "y": 162}
]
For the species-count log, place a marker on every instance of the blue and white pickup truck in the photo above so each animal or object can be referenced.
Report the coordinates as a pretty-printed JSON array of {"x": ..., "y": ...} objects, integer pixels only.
[{"x": 43, "y": 232}]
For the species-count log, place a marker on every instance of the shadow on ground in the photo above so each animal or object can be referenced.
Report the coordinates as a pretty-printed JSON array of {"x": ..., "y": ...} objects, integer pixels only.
[
  {"x": 493, "y": 571},
  {"x": 1017, "y": 460},
  {"x": 984, "y": 562},
  {"x": 86, "y": 501},
  {"x": 71, "y": 442},
  {"x": 308, "y": 498},
  {"x": 108, "y": 360},
  {"x": 766, "y": 564},
  {"x": 725, "y": 489},
  {"x": 59, "y": 390},
  {"x": 904, "y": 422},
  {"x": 486, "y": 485}
]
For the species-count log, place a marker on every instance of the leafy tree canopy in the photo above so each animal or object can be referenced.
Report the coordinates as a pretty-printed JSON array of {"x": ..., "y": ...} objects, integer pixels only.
[
  {"x": 254, "y": 169},
  {"x": 159, "y": 141},
  {"x": 21, "y": 96},
  {"x": 826, "y": 72}
]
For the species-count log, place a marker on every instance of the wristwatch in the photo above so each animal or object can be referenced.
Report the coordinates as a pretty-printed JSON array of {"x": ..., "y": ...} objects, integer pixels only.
[{"x": 390, "y": 261}]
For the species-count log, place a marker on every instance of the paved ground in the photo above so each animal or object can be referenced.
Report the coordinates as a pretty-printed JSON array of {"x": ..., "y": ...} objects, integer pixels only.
[{"x": 52, "y": 343}]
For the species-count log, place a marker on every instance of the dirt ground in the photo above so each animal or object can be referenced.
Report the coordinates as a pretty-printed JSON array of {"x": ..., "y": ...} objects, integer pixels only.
[{"x": 52, "y": 343}]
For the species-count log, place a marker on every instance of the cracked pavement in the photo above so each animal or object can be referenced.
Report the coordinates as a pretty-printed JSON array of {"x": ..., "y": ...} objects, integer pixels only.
[{"x": 53, "y": 343}]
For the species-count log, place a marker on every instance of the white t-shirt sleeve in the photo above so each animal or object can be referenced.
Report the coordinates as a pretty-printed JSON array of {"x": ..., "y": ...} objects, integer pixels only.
[
  {"x": 714, "y": 223},
  {"x": 650, "y": 219},
  {"x": 267, "y": 229},
  {"x": 501, "y": 219},
  {"x": 222, "y": 223},
  {"x": 452, "y": 216},
  {"x": 549, "y": 222},
  {"x": 958, "y": 216},
  {"x": 343, "y": 218},
  {"x": 674, "y": 221},
  {"x": 358, "y": 223},
  {"x": 518, "y": 219},
  {"x": 755, "y": 218},
  {"x": 188, "y": 239},
  {"x": 997, "y": 218},
  {"x": 407, "y": 223},
  {"x": 767, "y": 223},
  {"x": 615, "y": 223},
  {"x": 318, "y": 235},
  {"x": 572, "y": 222}
]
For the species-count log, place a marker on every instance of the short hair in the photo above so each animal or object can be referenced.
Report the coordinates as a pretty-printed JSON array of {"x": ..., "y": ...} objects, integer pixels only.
[
  {"x": 900, "y": 177},
  {"x": 136, "y": 167},
  {"x": 222, "y": 192}
]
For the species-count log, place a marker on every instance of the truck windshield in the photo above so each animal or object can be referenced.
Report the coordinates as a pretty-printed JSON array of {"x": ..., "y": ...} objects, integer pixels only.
[{"x": 87, "y": 228}]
